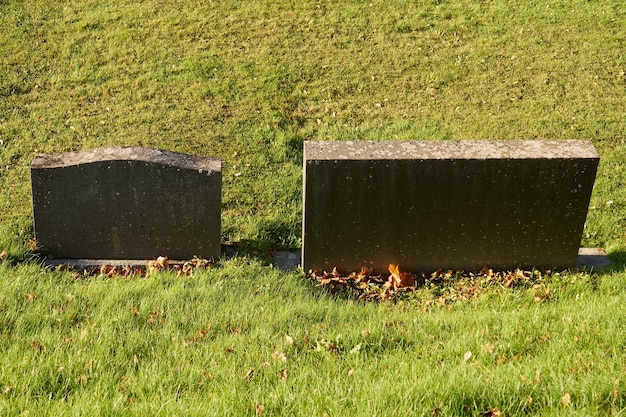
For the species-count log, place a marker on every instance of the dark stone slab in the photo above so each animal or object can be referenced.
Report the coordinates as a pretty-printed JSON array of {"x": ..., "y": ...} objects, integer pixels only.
[
  {"x": 445, "y": 204},
  {"x": 126, "y": 203}
]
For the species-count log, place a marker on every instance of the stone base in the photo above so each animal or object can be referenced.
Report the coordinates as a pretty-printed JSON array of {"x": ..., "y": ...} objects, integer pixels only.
[
  {"x": 588, "y": 258},
  {"x": 592, "y": 258}
]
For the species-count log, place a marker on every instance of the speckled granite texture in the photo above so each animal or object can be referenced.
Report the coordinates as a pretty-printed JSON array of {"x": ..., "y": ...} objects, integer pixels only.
[
  {"x": 445, "y": 204},
  {"x": 126, "y": 203}
]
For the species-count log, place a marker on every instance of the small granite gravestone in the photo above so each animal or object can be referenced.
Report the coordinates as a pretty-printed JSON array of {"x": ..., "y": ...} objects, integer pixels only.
[
  {"x": 126, "y": 203},
  {"x": 445, "y": 204}
]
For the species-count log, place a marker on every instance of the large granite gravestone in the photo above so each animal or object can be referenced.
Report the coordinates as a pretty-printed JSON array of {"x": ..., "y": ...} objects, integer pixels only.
[
  {"x": 126, "y": 203},
  {"x": 445, "y": 204}
]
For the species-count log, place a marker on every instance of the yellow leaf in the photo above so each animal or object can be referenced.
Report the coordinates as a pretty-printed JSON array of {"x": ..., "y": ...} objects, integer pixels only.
[
  {"x": 566, "y": 399},
  {"x": 400, "y": 279}
]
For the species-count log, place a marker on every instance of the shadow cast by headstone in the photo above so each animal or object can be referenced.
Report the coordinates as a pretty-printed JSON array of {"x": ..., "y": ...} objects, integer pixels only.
[
  {"x": 618, "y": 262},
  {"x": 599, "y": 262},
  {"x": 265, "y": 252},
  {"x": 22, "y": 258},
  {"x": 274, "y": 244}
]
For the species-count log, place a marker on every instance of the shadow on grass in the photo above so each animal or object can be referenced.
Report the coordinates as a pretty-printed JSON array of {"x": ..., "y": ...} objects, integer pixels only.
[
  {"x": 618, "y": 262},
  {"x": 285, "y": 260}
]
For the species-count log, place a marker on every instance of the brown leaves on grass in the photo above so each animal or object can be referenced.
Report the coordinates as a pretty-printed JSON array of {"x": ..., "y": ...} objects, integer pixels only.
[
  {"x": 445, "y": 286},
  {"x": 162, "y": 263},
  {"x": 157, "y": 265},
  {"x": 400, "y": 279},
  {"x": 366, "y": 285}
]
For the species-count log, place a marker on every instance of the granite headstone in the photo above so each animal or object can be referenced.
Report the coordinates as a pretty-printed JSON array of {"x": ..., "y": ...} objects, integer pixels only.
[
  {"x": 445, "y": 204},
  {"x": 126, "y": 203}
]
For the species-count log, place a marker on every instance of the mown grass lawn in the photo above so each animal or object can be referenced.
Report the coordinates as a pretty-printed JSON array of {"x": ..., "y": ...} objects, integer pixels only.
[{"x": 248, "y": 82}]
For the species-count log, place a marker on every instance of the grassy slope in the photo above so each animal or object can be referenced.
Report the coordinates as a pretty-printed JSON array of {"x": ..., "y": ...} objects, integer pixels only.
[
  {"x": 217, "y": 344},
  {"x": 248, "y": 82}
]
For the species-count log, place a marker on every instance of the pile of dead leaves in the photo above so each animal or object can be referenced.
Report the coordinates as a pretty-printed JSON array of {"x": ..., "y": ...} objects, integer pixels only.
[
  {"x": 446, "y": 286},
  {"x": 162, "y": 263},
  {"x": 365, "y": 285}
]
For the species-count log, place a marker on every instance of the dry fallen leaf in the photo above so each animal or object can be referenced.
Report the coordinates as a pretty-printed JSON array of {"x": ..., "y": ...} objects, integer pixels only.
[
  {"x": 258, "y": 409},
  {"x": 566, "y": 399},
  {"x": 467, "y": 356},
  {"x": 493, "y": 413},
  {"x": 3, "y": 255},
  {"x": 157, "y": 265},
  {"x": 400, "y": 279},
  {"x": 152, "y": 317},
  {"x": 449, "y": 285},
  {"x": 289, "y": 340},
  {"x": 108, "y": 270}
]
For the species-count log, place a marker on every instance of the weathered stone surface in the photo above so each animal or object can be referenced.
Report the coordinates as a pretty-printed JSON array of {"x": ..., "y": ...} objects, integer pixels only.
[
  {"x": 445, "y": 204},
  {"x": 126, "y": 203}
]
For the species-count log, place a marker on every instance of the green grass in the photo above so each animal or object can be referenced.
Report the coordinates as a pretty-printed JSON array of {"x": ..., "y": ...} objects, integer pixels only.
[
  {"x": 248, "y": 82},
  {"x": 216, "y": 343}
]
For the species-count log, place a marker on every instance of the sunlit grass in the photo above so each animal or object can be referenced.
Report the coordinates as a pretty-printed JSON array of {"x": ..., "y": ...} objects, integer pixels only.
[{"x": 243, "y": 335}]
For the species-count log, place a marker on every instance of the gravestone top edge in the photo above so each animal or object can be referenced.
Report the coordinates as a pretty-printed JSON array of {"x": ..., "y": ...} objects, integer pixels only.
[
  {"x": 126, "y": 153},
  {"x": 450, "y": 149}
]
